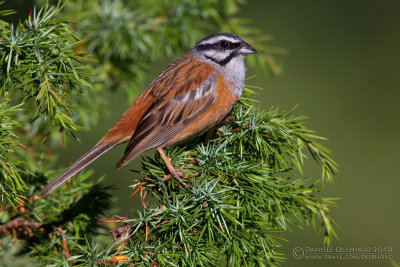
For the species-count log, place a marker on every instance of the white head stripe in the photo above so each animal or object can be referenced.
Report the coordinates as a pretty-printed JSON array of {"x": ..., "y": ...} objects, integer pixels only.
[{"x": 218, "y": 39}]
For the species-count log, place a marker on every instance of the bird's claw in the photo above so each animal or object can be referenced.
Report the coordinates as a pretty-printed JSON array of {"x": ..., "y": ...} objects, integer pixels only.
[{"x": 178, "y": 174}]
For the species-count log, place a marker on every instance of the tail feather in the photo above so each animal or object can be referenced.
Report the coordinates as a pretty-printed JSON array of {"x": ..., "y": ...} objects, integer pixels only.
[
  {"x": 127, "y": 158},
  {"x": 78, "y": 165}
]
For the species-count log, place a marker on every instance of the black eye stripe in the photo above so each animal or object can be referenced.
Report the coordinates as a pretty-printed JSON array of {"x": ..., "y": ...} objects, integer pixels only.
[
  {"x": 203, "y": 47},
  {"x": 234, "y": 45},
  {"x": 217, "y": 46}
]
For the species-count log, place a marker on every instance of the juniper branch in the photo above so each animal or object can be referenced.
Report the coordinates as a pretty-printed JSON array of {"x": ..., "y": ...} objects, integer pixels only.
[
  {"x": 248, "y": 191},
  {"x": 249, "y": 185}
]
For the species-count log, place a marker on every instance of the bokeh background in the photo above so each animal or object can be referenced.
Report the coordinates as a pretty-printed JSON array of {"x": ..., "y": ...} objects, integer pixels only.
[{"x": 343, "y": 68}]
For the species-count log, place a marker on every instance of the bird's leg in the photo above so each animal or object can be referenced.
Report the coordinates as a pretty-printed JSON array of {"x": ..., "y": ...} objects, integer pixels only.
[
  {"x": 180, "y": 174},
  {"x": 171, "y": 168}
]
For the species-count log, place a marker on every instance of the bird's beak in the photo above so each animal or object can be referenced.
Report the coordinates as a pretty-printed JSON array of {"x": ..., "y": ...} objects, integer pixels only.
[{"x": 247, "y": 49}]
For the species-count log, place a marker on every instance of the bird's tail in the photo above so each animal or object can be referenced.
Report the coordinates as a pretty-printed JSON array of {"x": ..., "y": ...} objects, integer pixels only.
[{"x": 78, "y": 165}]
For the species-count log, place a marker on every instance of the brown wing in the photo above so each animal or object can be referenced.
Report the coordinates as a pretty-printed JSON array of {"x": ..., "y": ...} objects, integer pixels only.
[
  {"x": 173, "y": 81},
  {"x": 170, "y": 115},
  {"x": 179, "y": 78}
]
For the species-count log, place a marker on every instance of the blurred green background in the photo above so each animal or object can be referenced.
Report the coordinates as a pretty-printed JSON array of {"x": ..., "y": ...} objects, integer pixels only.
[{"x": 343, "y": 68}]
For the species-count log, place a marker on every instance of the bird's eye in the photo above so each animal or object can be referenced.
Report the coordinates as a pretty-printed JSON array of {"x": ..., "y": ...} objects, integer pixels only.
[{"x": 224, "y": 44}]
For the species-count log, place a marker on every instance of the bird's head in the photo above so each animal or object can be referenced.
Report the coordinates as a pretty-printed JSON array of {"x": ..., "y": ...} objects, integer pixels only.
[{"x": 222, "y": 49}]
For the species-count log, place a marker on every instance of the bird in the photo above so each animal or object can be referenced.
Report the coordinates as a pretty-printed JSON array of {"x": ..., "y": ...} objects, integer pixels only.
[{"x": 189, "y": 97}]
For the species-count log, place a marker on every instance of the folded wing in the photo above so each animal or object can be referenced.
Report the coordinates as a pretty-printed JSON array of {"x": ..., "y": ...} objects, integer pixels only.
[{"x": 168, "y": 116}]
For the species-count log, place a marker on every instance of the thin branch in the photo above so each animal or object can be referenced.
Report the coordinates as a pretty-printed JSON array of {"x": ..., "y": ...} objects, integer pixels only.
[
  {"x": 63, "y": 240},
  {"x": 17, "y": 223}
]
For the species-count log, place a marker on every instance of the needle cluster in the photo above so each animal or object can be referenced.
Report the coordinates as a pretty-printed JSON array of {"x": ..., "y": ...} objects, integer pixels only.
[{"x": 41, "y": 72}]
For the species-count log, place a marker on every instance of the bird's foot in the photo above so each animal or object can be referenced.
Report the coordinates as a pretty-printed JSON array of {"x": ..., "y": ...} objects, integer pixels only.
[
  {"x": 180, "y": 174},
  {"x": 176, "y": 173}
]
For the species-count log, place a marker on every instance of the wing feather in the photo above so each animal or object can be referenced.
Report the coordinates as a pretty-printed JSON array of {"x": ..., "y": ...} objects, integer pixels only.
[{"x": 168, "y": 116}]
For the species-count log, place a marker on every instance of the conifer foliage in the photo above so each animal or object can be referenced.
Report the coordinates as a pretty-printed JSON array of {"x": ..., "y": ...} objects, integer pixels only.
[{"x": 60, "y": 66}]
